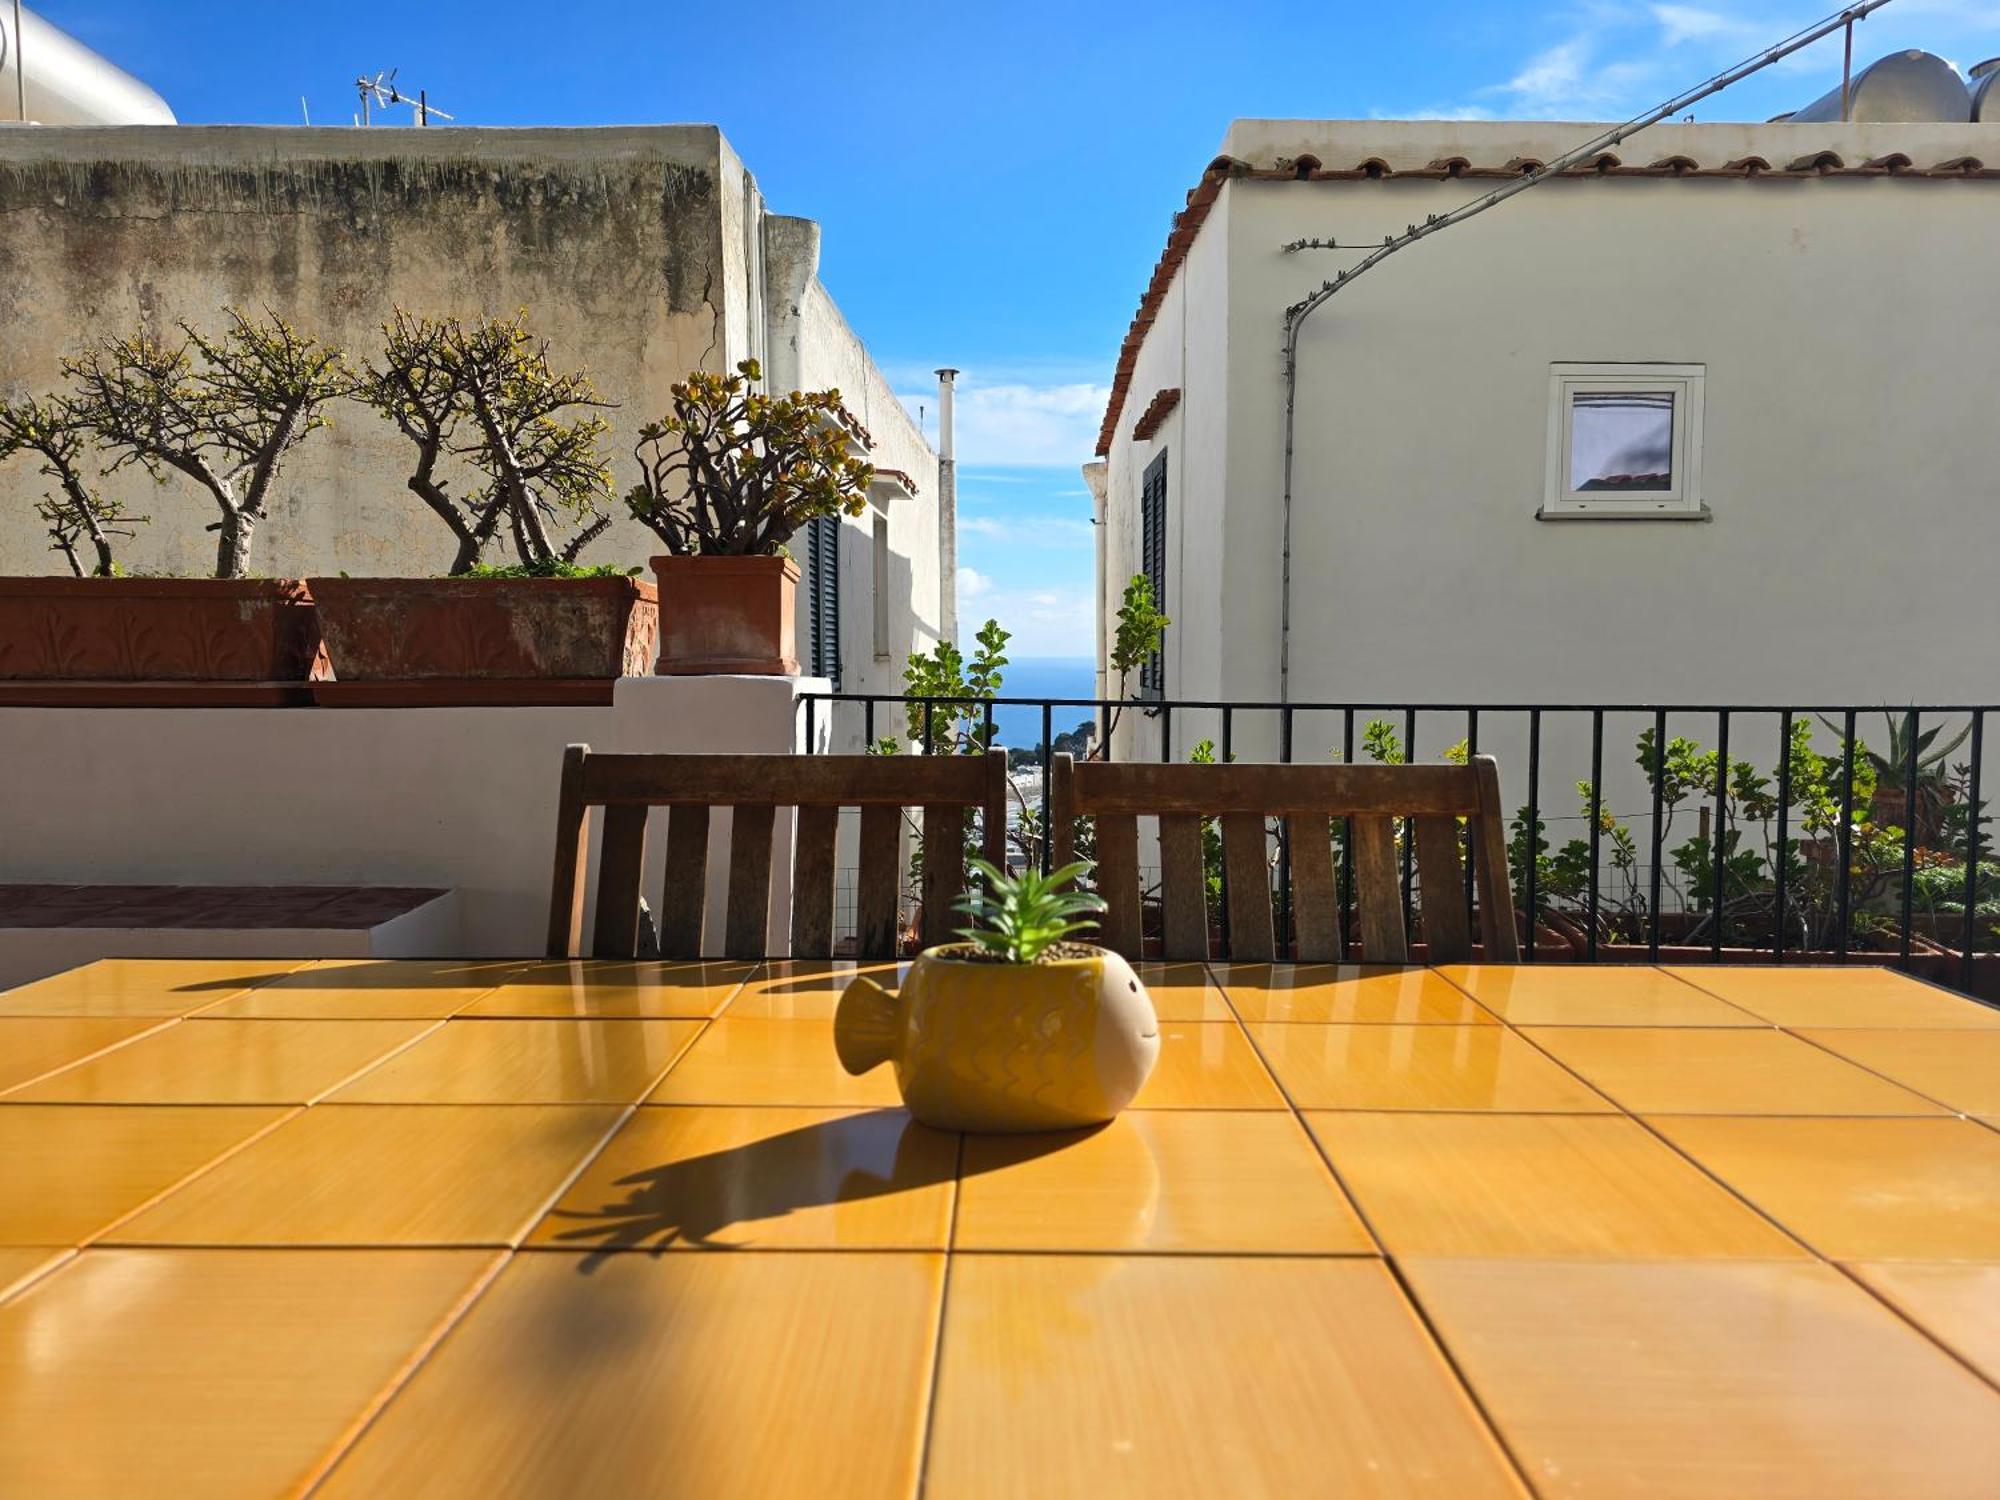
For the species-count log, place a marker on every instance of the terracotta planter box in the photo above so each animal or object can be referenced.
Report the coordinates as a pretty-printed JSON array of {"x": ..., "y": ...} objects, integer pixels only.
[
  {"x": 483, "y": 640},
  {"x": 167, "y": 639},
  {"x": 728, "y": 614}
]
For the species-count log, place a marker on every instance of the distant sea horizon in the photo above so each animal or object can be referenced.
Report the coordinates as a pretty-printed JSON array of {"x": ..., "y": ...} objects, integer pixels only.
[{"x": 1043, "y": 677}]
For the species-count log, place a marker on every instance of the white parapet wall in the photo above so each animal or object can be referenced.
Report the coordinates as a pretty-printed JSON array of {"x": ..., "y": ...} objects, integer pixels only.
[{"x": 462, "y": 798}]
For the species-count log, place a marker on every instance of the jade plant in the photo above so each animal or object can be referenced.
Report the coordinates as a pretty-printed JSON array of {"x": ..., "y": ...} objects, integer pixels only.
[
  {"x": 224, "y": 410},
  {"x": 731, "y": 471},
  {"x": 78, "y": 518},
  {"x": 486, "y": 395},
  {"x": 1026, "y": 918}
]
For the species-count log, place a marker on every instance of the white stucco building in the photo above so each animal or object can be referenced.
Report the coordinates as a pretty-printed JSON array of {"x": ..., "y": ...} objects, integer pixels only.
[{"x": 1709, "y": 421}]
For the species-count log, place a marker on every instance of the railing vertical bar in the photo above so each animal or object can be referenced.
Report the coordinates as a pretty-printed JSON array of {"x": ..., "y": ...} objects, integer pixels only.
[
  {"x": 1048, "y": 738},
  {"x": 1782, "y": 875},
  {"x": 1596, "y": 828},
  {"x": 1971, "y": 853},
  {"x": 1659, "y": 772},
  {"x": 1845, "y": 843},
  {"x": 1103, "y": 714},
  {"x": 868, "y": 721},
  {"x": 986, "y": 729},
  {"x": 1909, "y": 837},
  {"x": 1166, "y": 733},
  {"x": 1409, "y": 826},
  {"x": 929, "y": 744},
  {"x": 1533, "y": 832},
  {"x": 1347, "y": 843},
  {"x": 1719, "y": 856},
  {"x": 1287, "y": 937},
  {"x": 812, "y": 739},
  {"x": 1471, "y": 749},
  {"x": 1228, "y": 754}
]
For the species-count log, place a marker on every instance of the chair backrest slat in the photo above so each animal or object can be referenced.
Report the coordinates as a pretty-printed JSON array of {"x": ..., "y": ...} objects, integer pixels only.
[
  {"x": 684, "y": 902},
  {"x": 812, "y": 879},
  {"x": 879, "y": 881},
  {"x": 1431, "y": 801},
  {"x": 749, "y": 915},
  {"x": 1118, "y": 881},
  {"x": 1447, "y": 929},
  {"x": 1183, "y": 888},
  {"x": 754, "y": 787},
  {"x": 621, "y": 875},
  {"x": 1315, "y": 901}
]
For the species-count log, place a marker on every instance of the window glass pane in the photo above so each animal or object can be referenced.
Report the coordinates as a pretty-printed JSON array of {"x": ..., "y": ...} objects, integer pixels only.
[{"x": 1621, "y": 442}]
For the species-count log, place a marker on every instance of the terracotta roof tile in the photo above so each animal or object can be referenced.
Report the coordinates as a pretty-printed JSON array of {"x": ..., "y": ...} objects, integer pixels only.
[{"x": 1155, "y": 413}]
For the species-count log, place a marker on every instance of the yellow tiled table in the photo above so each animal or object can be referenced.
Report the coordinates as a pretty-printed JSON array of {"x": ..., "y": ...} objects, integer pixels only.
[{"x": 407, "y": 1229}]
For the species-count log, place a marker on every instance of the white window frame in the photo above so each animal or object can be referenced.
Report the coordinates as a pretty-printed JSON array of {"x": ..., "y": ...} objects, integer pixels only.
[{"x": 1684, "y": 501}]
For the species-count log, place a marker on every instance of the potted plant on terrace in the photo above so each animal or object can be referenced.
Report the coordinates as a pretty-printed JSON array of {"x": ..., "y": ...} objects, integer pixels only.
[
  {"x": 506, "y": 456},
  {"x": 726, "y": 479},
  {"x": 222, "y": 410},
  {"x": 1018, "y": 1028}
]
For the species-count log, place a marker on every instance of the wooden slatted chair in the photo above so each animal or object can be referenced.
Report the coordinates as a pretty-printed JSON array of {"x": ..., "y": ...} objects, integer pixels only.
[
  {"x": 1241, "y": 797},
  {"x": 627, "y": 787}
]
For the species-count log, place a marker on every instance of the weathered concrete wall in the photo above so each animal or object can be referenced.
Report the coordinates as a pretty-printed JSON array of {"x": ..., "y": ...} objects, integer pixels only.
[{"x": 614, "y": 240}]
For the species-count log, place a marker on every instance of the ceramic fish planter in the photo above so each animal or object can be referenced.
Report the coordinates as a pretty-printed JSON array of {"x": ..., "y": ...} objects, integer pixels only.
[{"x": 1006, "y": 1047}]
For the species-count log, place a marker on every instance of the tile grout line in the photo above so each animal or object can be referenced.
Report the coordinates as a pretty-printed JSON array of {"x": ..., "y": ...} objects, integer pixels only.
[
  {"x": 1852, "y": 1062},
  {"x": 165, "y": 1023},
  {"x": 951, "y": 1253},
  {"x": 1843, "y": 1267},
  {"x": 290, "y": 1113},
  {"x": 1394, "y": 1272},
  {"x": 371, "y": 1410}
]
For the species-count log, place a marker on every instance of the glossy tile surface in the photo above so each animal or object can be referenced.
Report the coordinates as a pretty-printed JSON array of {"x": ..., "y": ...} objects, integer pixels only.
[
  {"x": 207, "y": 1372},
  {"x": 418, "y": 1174},
  {"x": 1959, "y": 1069},
  {"x": 1535, "y": 1185},
  {"x": 527, "y": 1062},
  {"x": 758, "y": 1060},
  {"x": 1183, "y": 992},
  {"x": 1417, "y": 1067},
  {"x": 1697, "y": 1382},
  {"x": 1583, "y": 995},
  {"x": 33, "y": 1045},
  {"x": 20, "y": 1262},
  {"x": 608, "y": 991},
  {"x": 1179, "y": 1180},
  {"x": 1860, "y": 1189},
  {"x": 1195, "y": 1376},
  {"x": 227, "y": 1062},
  {"x": 775, "y": 1376},
  {"x": 141, "y": 986},
  {"x": 1693, "y": 1070},
  {"x": 1207, "y": 1065},
  {"x": 745, "y": 1177},
  {"x": 1957, "y": 1304},
  {"x": 1347, "y": 992},
  {"x": 1853, "y": 996},
  {"x": 340, "y": 989},
  {"x": 806, "y": 990}
]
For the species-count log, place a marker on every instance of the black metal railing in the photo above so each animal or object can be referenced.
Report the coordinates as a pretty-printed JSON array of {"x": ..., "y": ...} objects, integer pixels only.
[{"x": 1835, "y": 878}]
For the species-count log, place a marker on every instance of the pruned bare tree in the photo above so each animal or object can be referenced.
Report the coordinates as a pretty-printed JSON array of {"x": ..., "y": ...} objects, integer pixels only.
[
  {"x": 223, "y": 410},
  {"x": 53, "y": 429},
  {"x": 731, "y": 471},
  {"x": 485, "y": 392}
]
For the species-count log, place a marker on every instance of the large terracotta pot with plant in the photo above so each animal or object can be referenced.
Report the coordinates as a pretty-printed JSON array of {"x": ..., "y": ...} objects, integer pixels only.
[
  {"x": 727, "y": 478},
  {"x": 505, "y": 452},
  {"x": 1016, "y": 1029}
]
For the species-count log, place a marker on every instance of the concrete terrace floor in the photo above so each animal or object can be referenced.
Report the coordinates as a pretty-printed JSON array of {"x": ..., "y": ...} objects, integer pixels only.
[{"x": 378, "y": 1228}]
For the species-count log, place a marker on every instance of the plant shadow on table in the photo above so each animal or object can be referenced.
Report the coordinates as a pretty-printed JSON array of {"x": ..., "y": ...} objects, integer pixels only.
[{"x": 696, "y": 1201}]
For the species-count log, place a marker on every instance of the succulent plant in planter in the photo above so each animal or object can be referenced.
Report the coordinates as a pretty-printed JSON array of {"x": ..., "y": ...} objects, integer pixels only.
[
  {"x": 726, "y": 479},
  {"x": 78, "y": 518},
  {"x": 1019, "y": 1028}
]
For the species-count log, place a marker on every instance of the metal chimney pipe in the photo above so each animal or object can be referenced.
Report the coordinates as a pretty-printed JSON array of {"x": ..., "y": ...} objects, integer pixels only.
[
  {"x": 947, "y": 513},
  {"x": 20, "y": 67}
]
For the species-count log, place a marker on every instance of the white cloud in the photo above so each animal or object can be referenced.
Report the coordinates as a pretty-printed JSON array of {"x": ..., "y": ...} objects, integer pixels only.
[
  {"x": 1039, "y": 532},
  {"x": 972, "y": 585},
  {"x": 1029, "y": 426}
]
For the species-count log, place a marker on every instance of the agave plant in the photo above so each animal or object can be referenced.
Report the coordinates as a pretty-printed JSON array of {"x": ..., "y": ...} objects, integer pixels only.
[{"x": 1018, "y": 918}]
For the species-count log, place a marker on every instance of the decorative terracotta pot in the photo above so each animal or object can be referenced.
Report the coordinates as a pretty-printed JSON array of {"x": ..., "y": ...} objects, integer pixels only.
[
  {"x": 728, "y": 614},
  {"x": 157, "y": 630},
  {"x": 1005, "y": 1047},
  {"x": 486, "y": 629}
]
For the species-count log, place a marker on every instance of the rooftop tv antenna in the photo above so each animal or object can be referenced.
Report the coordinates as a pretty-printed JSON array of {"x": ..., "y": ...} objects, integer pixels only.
[{"x": 382, "y": 91}]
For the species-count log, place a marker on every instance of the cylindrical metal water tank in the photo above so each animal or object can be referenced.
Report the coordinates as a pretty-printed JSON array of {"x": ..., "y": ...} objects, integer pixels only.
[
  {"x": 67, "y": 83},
  {"x": 1902, "y": 86},
  {"x": 1985, "y": 91}
]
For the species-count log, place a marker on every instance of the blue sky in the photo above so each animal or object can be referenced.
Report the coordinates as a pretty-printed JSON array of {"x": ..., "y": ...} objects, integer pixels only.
[{"x": 995, "y": 181}]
